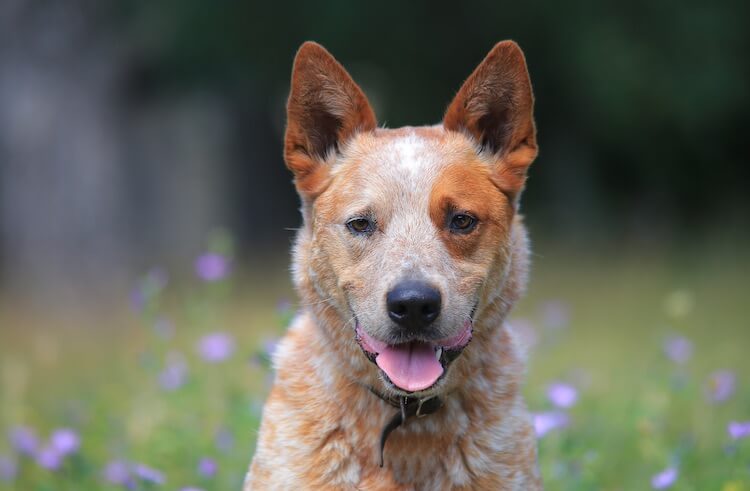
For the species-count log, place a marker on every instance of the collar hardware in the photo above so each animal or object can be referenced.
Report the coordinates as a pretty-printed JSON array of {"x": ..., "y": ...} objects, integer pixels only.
[{"x": 407, "y": 407}]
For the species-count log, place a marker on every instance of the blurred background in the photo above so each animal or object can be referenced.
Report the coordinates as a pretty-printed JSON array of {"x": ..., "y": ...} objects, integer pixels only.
[
  {"x": 129, "y": 130},
  {"x": 140, "y": 135}
]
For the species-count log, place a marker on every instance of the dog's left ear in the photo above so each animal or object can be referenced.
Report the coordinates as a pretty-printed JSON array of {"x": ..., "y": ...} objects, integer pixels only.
[
  {"x": 325, "y": 109},
  {"x": 495, "y": 107}
]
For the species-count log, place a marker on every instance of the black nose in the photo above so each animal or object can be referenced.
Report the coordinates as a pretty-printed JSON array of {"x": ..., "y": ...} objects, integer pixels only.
[{"x": 413, "y": 304}]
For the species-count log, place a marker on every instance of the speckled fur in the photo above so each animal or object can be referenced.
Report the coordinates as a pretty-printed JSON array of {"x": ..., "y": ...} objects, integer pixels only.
[{"x": 321, "y": 426}]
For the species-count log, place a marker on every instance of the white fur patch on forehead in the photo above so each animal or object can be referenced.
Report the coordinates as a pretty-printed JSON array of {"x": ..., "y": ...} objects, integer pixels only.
[
  {"x": 413, "y": 154},
  {"x": 395, "y": 169}
]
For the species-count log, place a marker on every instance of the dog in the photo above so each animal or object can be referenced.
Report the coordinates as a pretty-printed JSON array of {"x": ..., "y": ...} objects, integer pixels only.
[{"x": 399, "y": 372}]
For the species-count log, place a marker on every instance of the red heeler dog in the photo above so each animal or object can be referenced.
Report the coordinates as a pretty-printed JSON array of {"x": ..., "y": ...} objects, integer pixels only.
[{"x": 399, "y": 372}]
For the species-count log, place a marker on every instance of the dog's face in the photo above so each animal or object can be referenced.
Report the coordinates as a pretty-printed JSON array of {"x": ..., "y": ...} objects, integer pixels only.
[{"x": 410, "y": 227}]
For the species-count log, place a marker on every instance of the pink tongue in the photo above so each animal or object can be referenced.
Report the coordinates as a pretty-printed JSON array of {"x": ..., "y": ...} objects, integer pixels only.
[{"x": 411, "y": 366}]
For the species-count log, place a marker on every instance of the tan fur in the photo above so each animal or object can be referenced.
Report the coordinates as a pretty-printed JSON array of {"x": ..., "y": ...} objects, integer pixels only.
[{"x": 321, "y": 425}]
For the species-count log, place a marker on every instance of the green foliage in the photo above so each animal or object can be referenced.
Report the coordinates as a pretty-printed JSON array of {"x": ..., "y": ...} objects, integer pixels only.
[{"x": 637, "y": 412}]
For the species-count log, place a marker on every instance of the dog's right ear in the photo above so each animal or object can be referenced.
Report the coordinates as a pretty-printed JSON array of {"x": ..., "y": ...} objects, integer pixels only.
[
  {"x": 495, "y": 107},
  {"x": 325, "y": 108}
]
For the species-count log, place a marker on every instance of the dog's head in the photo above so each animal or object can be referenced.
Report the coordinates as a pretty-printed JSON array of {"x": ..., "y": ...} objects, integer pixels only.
[{"x": 408, "y": 231}]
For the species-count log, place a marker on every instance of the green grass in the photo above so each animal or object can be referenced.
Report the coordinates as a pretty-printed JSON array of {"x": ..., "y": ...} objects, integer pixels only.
[{"x": 637, "y": 413}]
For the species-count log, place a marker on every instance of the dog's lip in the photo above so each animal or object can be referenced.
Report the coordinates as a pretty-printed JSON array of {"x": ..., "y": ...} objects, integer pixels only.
[
  {"x": 446, "y": 351},
  {"x": 455, "y": 342}
]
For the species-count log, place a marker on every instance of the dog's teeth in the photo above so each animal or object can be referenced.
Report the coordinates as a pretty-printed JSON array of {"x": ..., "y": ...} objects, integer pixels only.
[{"x": 438, "y": 353}]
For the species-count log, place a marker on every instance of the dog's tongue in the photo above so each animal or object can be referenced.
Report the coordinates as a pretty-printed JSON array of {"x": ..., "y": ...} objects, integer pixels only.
[{"x": 411, "y": 366}]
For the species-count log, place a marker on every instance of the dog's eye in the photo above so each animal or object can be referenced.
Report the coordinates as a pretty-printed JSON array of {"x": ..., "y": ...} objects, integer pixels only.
[
  {"x": 359, "y": 226},
  {"x": 462, "y": 223}
]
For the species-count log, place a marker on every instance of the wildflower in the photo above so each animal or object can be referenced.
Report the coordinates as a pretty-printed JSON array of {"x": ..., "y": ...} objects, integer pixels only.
[
  {"x": 548, "y": 421},
  {"x": 678, "y": 349},
  {"x": 562, "y": 395},
  {"x": 224, "y": 440},
  {"x": 8, "y": 468},
  {"x": 664, "y": 479},
  {"x": 118, "y": 472},
  {"x": 137, "y": 299},
  {"x": 148, "y": 474},
  {"x": 175, "y": 372},
  {"x": 65, "y": 441},
  {"x": 207, "y": 467},
  {"x": 270, "y": 346},
  {"x": 49, "y": 458},
  {"x": 721, "y": 385},
  {"x": 738, "y": 429},
  {"x": 216, "y": 347},
  {"x": 212, "y": 267},
  {"x": 24, "y": 440},
  {"x": 147, "y": 288},
  {"x": 283, "y": 306}
]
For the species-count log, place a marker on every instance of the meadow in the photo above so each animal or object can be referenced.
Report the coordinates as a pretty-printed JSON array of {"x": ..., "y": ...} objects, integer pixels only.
[{"x": 639, "y": 375}]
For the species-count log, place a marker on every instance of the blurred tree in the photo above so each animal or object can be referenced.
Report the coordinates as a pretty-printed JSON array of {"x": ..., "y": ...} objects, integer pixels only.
[
  {"x": 171, "y": 113},
  {"x": 641, "y": 105}
]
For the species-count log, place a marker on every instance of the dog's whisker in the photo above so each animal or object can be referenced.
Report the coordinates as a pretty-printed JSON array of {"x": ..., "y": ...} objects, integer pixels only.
[{"x": 318, "y": 302}]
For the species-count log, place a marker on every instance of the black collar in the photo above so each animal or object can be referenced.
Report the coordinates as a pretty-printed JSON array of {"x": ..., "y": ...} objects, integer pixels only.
[{"x": 408, "y": 407}]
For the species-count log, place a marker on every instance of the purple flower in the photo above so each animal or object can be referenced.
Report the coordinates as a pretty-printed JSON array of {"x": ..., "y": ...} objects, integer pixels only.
[
  {"x": 664, "y": 479},
  {"x": 207, "y": 467},
  {"x": 738, "y": 429},
  {"x": 137, "y": 299},
  {"x": 175, "y": 372},
  {"x": 269, "y": 347},
  {"x": 216, "y": 347},
  {"x": 148, "y": 287},
  {"x": 148, "y": 474},
  {"x": 24, "y": 440},
  {"x": 224, "y": 440},
  {"x": 65, "y": 441},
  {"x": 678, "y": 349},
  {"x": 562, "y": 395},
  {"x": 548, "y": 421},
  {"x": 555, "y": 314},
  {"x": 212, "y": 267},
  {"x": 720, "y": 386},
  {"x": 283, "y": 306},
  {"x": 49, "y": 458},
  {"x": 8, "y": 468},
  {"x": 118, "y": 472}
]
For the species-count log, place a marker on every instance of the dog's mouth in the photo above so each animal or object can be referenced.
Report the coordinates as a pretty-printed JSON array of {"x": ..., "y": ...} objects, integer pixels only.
[{"x": 415, "y": 365}]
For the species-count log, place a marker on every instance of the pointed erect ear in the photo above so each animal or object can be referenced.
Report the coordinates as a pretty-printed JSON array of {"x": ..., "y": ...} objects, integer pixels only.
[
  {"x": 495, "y": 106},
  {"x": 325, "y": 109}
]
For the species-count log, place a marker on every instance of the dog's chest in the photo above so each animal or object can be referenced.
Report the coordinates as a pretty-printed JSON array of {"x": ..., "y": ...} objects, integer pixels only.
[{"x": 425, "y": 454}]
